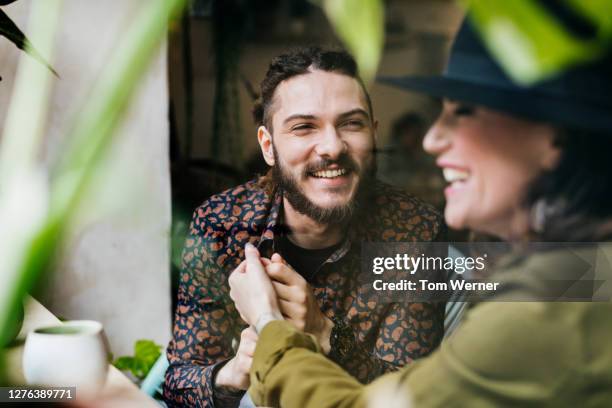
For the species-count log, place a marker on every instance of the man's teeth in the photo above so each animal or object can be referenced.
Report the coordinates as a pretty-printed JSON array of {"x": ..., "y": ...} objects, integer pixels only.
[
  {"x": 453, "y": 175},
  {"x": 329, "y": 173}
]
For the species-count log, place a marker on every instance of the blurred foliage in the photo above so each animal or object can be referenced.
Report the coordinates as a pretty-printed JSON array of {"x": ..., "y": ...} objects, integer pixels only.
[
  {"x": 23, "y": 182},
  {"x": 36, "y": 206},
  {"x": 146, "y": 353},
  {"x": 360, "y": 24},
  {"x": 535, "y": 39},
  {"x": 532, "y": 39},
  {"x": 10, "y": 30}
]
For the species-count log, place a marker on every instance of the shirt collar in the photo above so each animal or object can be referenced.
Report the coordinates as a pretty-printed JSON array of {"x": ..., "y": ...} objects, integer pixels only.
[
  {"x": 272, "y": 226},
  {"x": 273, "y": 229}
]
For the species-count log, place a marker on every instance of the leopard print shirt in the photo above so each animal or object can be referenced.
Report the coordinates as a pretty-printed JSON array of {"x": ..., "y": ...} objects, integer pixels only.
[{"x": 388, "y": 335}]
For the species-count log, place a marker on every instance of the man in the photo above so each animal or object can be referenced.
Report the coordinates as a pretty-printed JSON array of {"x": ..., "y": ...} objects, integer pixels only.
[{"x": 309, "y": 215}]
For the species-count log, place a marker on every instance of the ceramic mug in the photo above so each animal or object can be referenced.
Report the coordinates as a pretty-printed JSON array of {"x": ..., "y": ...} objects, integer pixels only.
[{"x": 70, "y": 354}]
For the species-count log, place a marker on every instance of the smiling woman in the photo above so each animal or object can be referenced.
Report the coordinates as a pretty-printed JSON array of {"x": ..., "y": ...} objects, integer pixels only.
[{"x": 489, "y": 159}]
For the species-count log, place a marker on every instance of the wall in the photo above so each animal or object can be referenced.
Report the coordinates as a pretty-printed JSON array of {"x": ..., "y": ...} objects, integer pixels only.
[{"x": 115, "y": 269}]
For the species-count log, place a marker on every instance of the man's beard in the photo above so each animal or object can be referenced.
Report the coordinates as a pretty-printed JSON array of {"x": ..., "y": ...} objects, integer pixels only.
[{"x": 339, "y": 214}]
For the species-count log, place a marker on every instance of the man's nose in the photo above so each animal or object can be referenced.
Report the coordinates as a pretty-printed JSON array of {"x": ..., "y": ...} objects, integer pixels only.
[
  {"x": 330, "y": 143},
  {"x": 437, "y": 139}
]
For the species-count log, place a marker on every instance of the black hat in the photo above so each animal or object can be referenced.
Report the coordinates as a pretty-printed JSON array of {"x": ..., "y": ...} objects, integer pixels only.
[{"x": 580, "y": 97}]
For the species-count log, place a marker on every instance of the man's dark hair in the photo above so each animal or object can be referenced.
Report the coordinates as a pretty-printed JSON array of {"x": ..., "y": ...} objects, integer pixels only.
[
  {"x": 573, "y": 200},
  {"x": 299, "y": 62}
]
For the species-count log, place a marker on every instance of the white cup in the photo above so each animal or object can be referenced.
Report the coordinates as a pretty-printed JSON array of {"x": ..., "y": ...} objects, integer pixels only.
[{"x": 71, "y": 354}]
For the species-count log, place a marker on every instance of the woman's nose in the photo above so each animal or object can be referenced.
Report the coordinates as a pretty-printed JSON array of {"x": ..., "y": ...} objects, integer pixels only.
[{"x": 436, "y": 140}]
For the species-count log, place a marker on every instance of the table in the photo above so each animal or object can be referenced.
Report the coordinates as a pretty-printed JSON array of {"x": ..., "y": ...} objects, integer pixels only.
[{"x": 118, "y": 390}]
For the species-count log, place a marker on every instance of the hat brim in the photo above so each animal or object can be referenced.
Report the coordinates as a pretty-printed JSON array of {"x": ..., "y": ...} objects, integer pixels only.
[{"x": 524, "y": 102}]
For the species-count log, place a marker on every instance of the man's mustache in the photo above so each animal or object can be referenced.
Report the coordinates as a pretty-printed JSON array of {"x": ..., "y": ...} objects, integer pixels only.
[{"x": 345, "y": 162}]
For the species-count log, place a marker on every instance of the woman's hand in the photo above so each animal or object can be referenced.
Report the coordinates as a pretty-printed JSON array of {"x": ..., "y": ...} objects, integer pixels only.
[
  {"x": 235, "y": 374},
  {"x": 252, "y": 291},
  {"x": 297, "y": 301}
]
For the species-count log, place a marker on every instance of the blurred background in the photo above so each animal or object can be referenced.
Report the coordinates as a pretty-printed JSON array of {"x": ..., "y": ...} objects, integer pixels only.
[
  {"x": 220, "y": 52},
  {"x": 191, "y": 129}
]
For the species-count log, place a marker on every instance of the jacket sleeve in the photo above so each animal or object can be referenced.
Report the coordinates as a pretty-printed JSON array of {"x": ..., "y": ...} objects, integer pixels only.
[
  {"x": 289, "y": 371},
  {"x": 493, "y": 359},
  {"x": 205, "y": 321}
]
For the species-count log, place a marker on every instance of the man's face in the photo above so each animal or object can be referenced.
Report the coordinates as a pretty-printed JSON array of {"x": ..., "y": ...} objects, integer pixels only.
[{"x": 323, "y": 142}]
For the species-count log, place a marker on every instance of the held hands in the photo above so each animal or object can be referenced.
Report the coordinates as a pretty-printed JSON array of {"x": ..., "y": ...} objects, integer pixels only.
[
  {"x": 261, "y": 287},
  {"x": 297, "y": 302},
  {"x": 251, "y": 289}
]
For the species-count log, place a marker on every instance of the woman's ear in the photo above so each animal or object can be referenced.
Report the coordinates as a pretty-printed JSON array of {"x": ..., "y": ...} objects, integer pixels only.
[
  {"x": 551, "y": 155},
  {"x": 265, "y": 143},
  {"x": 375, "y": 128},
  {"x": 551, "y": 158}
]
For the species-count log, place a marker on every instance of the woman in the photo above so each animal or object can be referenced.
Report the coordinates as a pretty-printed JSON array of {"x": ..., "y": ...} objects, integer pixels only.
[{"x": 524, "y": 164}]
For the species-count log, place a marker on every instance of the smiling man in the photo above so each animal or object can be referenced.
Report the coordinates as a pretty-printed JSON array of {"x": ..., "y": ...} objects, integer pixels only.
[{"x": 308, "y": 217}]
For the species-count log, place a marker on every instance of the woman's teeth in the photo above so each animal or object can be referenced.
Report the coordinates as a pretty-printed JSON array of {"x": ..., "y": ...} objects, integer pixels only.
[
  {"x": 329, "y": 173},
  {"x": 454, "y": 175}
]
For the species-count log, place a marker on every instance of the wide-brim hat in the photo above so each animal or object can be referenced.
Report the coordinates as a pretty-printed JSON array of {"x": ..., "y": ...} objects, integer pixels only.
[{"x": 579, "y": 98}]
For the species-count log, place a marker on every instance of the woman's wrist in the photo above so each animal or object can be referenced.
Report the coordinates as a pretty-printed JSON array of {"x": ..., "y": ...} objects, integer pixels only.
[
  {"x": 266, "y": 318},
  {"x": 224, "y": 378}
]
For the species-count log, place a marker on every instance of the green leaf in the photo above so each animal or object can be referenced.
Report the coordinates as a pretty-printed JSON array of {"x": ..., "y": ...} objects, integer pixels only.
[
  {"x": 10, "y": 30},
  {"x": 23, "y": 182},
  {"x": 124, "y": 363},
  {"x": 146, "y": 353},
  {"x": 532, "y": 44},
  {"x": 360, "y": 26}
]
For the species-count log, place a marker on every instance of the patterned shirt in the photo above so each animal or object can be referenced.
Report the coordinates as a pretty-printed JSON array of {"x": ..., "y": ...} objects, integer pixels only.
[{"x": 386, "y": 335}]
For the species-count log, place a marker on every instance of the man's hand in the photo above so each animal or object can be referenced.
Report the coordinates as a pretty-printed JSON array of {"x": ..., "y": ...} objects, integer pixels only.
[
  {"x": 251, "y": 289},
  {"x": 235, "y": 373},
  {"x": 297, "y": 302}
]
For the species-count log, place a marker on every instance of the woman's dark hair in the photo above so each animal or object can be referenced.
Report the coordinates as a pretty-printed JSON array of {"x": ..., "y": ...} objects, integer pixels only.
[
  {"x": 299, "y": 62},
  {"x": 573, "y": 202}
]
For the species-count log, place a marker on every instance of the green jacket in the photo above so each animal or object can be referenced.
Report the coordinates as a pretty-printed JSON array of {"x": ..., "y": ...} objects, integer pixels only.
[{"x": 505, "y": 354}]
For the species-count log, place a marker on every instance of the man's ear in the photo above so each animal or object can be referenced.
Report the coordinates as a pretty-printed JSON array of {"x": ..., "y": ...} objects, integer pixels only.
[{"x": 265, "y": 143}]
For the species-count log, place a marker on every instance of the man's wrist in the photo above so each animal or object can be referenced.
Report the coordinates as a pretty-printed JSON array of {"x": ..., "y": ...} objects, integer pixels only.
[{"x": 266, "y": 318}]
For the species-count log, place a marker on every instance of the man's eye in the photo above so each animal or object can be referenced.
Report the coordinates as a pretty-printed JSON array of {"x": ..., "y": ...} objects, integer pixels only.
[
  {"x": 304, "y": 126},
  {"x": 464, "y": 110},
  {"x": 303, "y": 129},
  {"x": 353, "y": 124}
]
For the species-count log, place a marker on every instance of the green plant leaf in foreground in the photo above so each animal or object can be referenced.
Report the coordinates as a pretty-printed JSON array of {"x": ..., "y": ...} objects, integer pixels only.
[
  {"x": 24, "y": 189},
  {"x": 532, "y": 44},
  {"x": 85, "y": 146},
  {"x": 146, "y": 353},
  {"x": 360, "y": 26},
  {"x": 10, "y": 30}
]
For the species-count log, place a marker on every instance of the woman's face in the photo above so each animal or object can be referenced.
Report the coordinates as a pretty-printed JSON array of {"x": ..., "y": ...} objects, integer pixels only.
[{"x": 489, "y": 159}]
